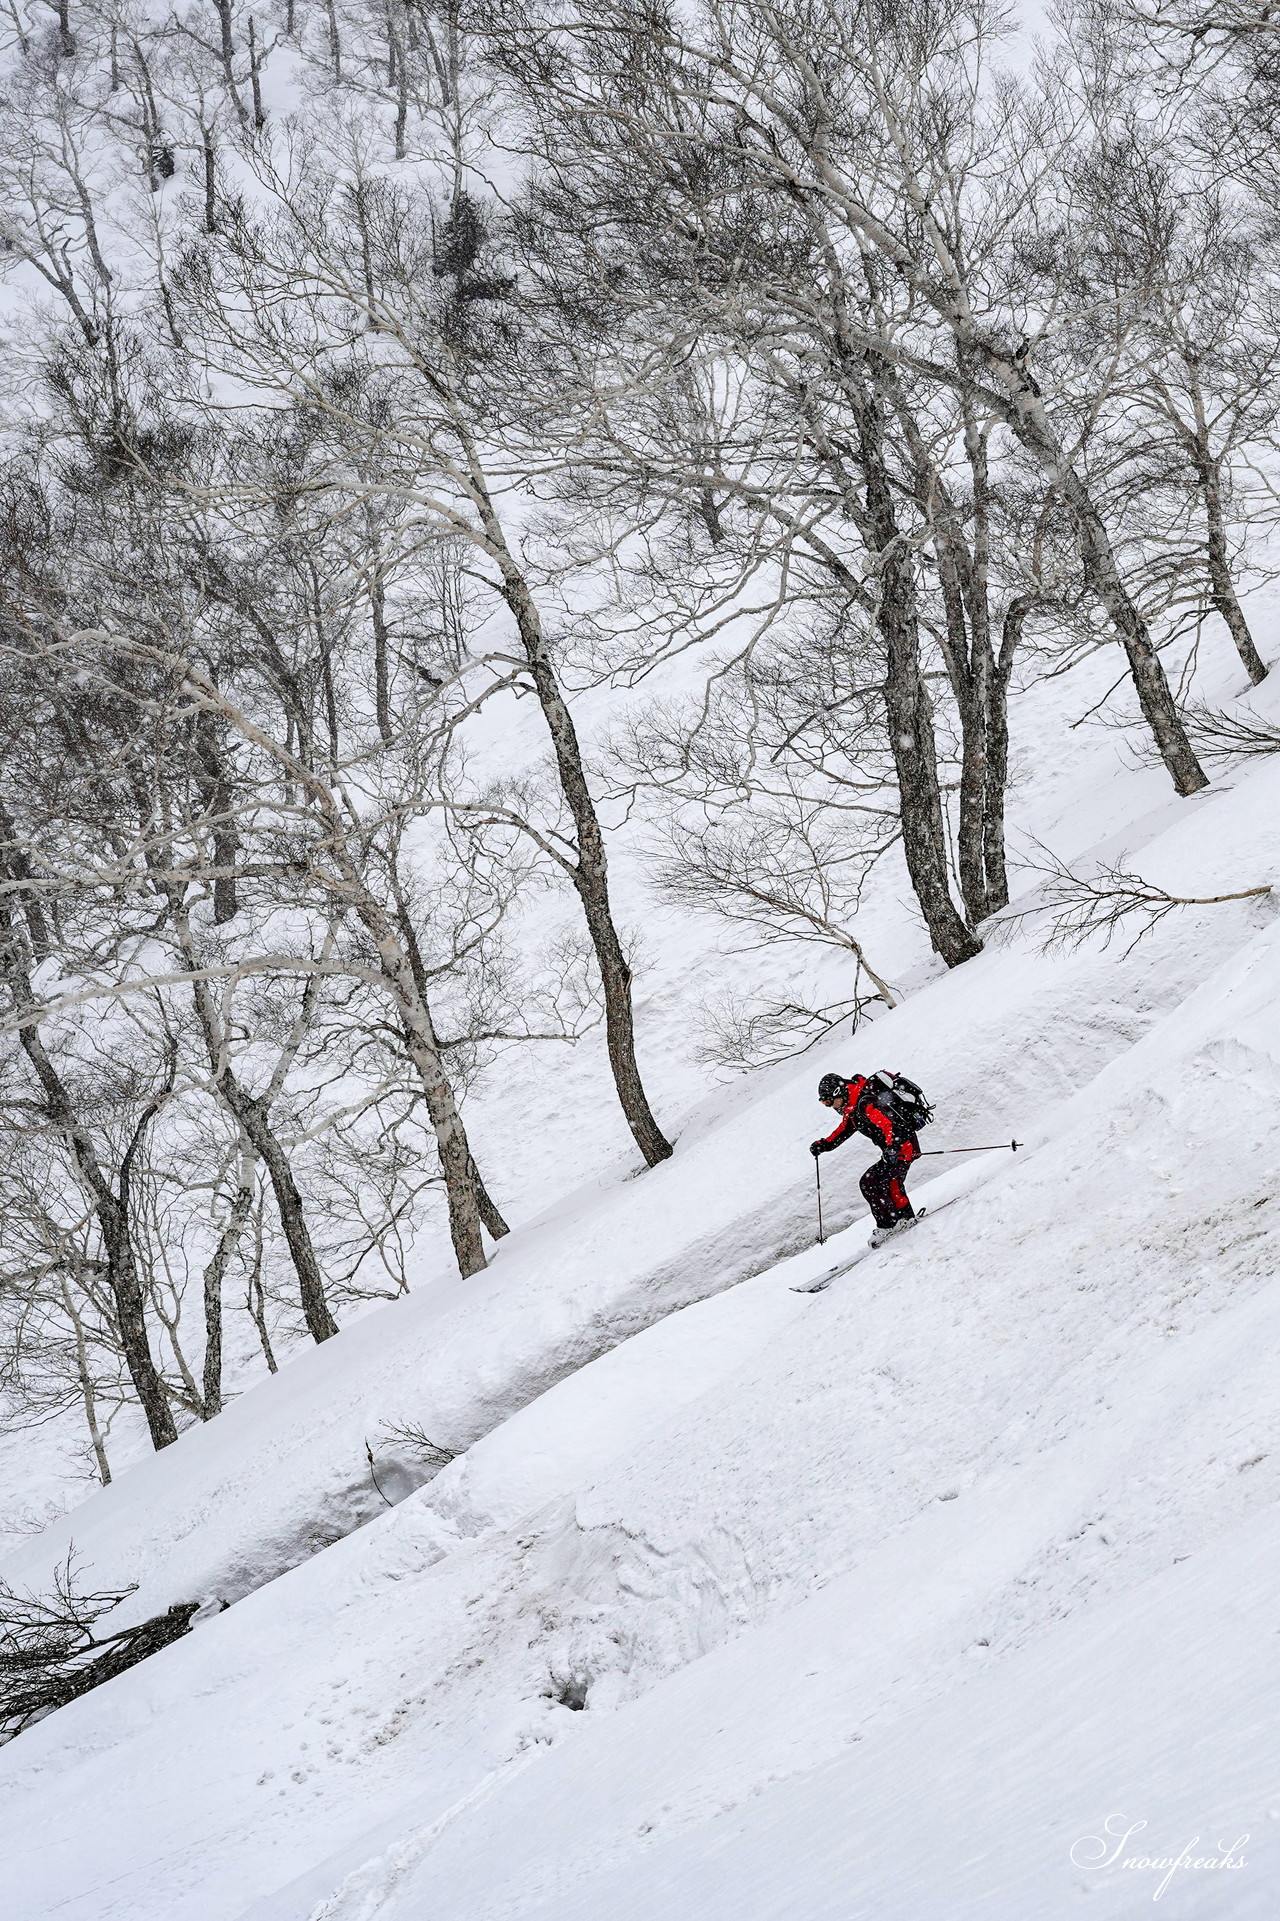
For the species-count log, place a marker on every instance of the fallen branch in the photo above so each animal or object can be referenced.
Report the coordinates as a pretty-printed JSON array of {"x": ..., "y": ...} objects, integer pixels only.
[{"x": 49, "y": 1654}]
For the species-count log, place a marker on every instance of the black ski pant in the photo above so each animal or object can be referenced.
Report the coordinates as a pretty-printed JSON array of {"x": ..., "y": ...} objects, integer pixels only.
[{"x": 882, "y": 1185}]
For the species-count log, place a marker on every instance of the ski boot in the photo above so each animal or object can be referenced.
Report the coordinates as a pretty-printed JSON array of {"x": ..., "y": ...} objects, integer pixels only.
[{"x": 883, "y": 1234}]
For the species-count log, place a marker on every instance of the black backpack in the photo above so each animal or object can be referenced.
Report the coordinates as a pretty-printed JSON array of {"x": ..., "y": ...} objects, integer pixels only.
[{"x": 902, "y": 1100}]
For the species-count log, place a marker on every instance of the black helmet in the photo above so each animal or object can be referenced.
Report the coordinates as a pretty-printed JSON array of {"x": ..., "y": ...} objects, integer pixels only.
[{"x": 832, "y": 1087}]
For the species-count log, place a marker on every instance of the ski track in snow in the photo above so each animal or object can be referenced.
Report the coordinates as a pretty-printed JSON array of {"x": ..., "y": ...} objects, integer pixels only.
[{"x": 746, "y": 1603}]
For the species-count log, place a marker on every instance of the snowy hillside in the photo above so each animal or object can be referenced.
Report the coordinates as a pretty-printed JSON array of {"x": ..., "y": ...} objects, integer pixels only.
[
  {"x": 577, "y": 580},
  {"x": 737, "y": 1600}
]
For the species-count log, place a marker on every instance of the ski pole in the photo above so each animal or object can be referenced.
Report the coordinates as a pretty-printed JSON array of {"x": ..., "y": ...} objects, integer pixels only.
[
  {"x": 1001, "y": 1147},
  {"x": 817, "y": 1174}
]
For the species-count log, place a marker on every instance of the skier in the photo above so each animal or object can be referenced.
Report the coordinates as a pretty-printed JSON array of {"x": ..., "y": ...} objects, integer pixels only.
[{"x": 867, "y": 1106}]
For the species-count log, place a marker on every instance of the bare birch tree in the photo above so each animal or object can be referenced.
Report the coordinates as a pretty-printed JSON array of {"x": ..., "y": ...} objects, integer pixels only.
[
  {"x": 415, "y": 397},
  {"x": 880, "y": 132}
]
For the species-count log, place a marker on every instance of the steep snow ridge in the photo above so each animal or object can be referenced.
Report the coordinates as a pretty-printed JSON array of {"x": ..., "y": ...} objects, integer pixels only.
[
  {"x": 767, "y": 1525},
  {"x": 554, "y": 1444}
]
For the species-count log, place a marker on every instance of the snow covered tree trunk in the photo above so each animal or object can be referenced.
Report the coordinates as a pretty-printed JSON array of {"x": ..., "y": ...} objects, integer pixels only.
[
  {"x": 209, "y": 770},
  {"x": 341, "y": 876},
  {"x": 1154, "y": 695},
  {"x": 1221, "y": 585},
  {"x": 592, "y": 883},
  {"x": 590, "y": 872},
  {"x": 969, "y": 664},
  {"x": 85, "y": 1380},
  {"x": 251, "y": 1115},
  {"x": 112, "y": 1214},
  {"x": 110, "y": 1208},
  {"x": 907, "y": 706},
  {"x": 1028, "y": 418},
  {"x": 214, "y": 1275},
  {"x": 495, "y": 1225},
  {"x": 462, "y": 1187},
  {"x": 459, "y": 1169},
  {"x": 964, "y": 564},
  {"x": 990, "y": 677},
  {"x": 993, "y": 837}
]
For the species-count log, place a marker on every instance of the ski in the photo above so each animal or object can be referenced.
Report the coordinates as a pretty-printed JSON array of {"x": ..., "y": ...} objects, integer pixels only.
[
  {"x": 824, "y": 1281},
  {"x": 833, "y": 1273}
]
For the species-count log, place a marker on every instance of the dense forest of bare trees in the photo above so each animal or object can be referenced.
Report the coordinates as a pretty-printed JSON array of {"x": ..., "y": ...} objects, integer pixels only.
[{"x": 372, "y": 367}]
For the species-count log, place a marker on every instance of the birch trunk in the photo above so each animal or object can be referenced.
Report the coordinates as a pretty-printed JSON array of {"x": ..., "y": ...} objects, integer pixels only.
[
  {"x": 590, "y": 872},
  {"x": 113, "y": 1224},
  {"x": 214, "y": 1274},
  {"x": 251, "y": 1115},
  {"x": 1028, "y": 418},
  {"x": 907, "y": 706},
  {"x": 1221, "y": 585}
]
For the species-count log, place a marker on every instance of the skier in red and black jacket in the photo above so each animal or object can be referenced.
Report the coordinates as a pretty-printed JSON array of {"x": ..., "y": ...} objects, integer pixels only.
[{"x": 865, "y": 1110}]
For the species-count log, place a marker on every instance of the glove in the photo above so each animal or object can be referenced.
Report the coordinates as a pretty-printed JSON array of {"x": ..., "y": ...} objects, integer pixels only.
[{"x": 819, "y": 1147}]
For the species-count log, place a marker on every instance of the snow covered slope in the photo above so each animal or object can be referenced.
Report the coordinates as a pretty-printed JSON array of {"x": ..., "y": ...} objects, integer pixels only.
[
  {"x": 1000, "y": 1043},
  {"x": 743, "y": 1601}
]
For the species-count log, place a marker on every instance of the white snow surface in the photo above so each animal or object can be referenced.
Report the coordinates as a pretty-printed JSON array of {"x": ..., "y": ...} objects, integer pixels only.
[{"x": 740, "y": 1602}]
